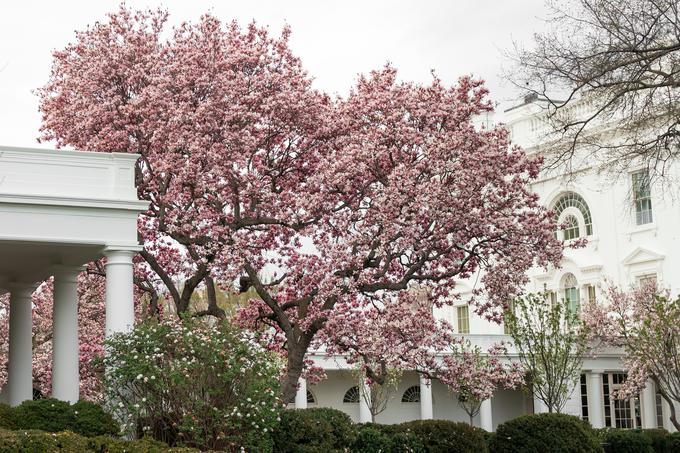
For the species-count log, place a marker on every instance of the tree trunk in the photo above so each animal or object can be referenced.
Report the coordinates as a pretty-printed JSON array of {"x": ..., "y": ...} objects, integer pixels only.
[
  {"x": 472, "y": 423},
  {"x": 295, "y": 363}
]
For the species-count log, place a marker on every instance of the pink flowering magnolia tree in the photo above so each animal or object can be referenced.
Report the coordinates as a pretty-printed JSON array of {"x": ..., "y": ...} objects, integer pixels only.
[
  {"x": 91, "y": 315},
  {"x": 248, "y": 169},
  {"x": 475, "y": 375},
  {"x": 645, "y": 322}
]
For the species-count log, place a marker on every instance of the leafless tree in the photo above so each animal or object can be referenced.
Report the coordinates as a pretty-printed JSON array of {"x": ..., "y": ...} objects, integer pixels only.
[{"x": 608, "y": 72}]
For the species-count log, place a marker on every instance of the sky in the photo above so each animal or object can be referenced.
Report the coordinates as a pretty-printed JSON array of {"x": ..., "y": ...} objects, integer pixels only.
[{"x": 335, "y": 40}]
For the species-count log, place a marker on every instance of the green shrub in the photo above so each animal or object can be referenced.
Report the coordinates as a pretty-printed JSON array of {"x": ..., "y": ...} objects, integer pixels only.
[
  {"x": 674, "y": 441},
  {"x": 549, "y": 433},
  {"x": 313, "y": 430},
  {"x": 442, "y": 436},
  {"x": 7, "y": 417},
  {"x": 194, "y": 385},
  {"x": 661, "y": 441},
  {"x": 46, "y": 415},
  {"x": 90, "y": 420},
  {"x": 373, "y": 437},
  {"x": 371, "y": 440},
  {"x": 628, "y": 441}
]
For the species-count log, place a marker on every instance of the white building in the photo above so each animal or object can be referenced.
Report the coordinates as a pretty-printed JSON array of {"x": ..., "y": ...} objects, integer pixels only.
[
  {"x": 58, "y": 211},
  {"x": 632, "y": 234}
]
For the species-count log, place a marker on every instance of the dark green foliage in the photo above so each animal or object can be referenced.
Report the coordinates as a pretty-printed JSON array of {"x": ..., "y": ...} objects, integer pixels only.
[
  {"x": 90, "y": 420},
  {"x": 371, "y": 440},
  {"x": 51, "y": 415},
  {"x": 661, "y": 442},
  {"x": 7, "y": 418},
  {"x": 34, "y": 441},
  {"x": 385, "y": 439},
  {"x": 628, "y": 441},
  {"x": 545, "y": 433},
  {"x": 443, "y": 436},
  {"x": 313, "y": 430},
  {"x": 674, "y": 442},
  {"x": 46, "y": 415}
]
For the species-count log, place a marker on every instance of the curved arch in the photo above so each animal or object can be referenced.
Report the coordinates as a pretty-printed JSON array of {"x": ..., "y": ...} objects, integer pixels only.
[
  {"x": 311, "y": 399},
  {"x": 573, "y": 200},
  {"x": 411, "y": 395},
  {"x": 352, "y": 395}
]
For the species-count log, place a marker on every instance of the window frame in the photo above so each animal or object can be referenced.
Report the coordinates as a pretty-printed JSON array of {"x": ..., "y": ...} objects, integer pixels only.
[{"x": 463, "y": 323}]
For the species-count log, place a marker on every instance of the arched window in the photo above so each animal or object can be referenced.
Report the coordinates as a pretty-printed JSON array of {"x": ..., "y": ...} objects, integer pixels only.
[
  {"x": 411, "y": 395},
  {"x": 572, "y": 298},
  {"x": 351, "y": 395},
  {"x": 570, "y": 227},
  {"x": 568, "y": 207},
  {"x": 310, "y": 398}
]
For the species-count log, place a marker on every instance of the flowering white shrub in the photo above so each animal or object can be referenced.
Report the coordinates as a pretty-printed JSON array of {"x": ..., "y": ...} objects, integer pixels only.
[{"x": 187, "y": 383}]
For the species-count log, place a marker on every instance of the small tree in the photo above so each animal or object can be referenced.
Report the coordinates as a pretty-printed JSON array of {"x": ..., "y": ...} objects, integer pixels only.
[
  {"x": 551, "y": 342},
  {"x": 474, "y": 375},
  {"x": 376, "y": 394},
  {"x": 191, "y": 384},
  {"x": 646, "y": 324}
]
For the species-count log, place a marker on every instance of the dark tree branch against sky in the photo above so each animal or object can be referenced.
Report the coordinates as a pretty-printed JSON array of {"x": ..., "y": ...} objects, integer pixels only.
[{"x": 601, "y": 61}]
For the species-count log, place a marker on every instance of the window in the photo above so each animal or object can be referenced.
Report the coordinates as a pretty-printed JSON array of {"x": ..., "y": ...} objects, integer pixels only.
[
  {"x": 411, "y": 395},
  {"x": 351, "y": 395},
  {"x": 645, "y": 280},
  {"x": 591, "y": 294},
  {"x": 584, "y": 398},
  {"x": 510, "y": 309},
  {"x": 463, "y": 316},
  {"x": 570, "y": 228},
  {"x": 573, "y": 200},
  {"x": 642, "y": 198},
  {"x": 620, "y": 413},
  {"x": 659, "y": 410},
  {"x": 571, "y": 294},
  {"x": 310, "y": 398}
]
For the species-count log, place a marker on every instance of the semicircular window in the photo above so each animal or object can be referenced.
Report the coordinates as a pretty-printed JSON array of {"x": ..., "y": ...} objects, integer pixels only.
[
  {"x": 310, "y": 398},
  {"x": 351, "y": 395},
  {"x": 411, "y": 395},
  {"x": 573, "y": 200}
]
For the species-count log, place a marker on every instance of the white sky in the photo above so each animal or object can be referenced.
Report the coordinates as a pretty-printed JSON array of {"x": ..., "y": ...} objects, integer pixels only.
[{"x": 335, "y": 40}]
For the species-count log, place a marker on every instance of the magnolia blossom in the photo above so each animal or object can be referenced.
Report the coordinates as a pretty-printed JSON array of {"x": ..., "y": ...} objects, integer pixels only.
[{"x": 247, "y": 168}]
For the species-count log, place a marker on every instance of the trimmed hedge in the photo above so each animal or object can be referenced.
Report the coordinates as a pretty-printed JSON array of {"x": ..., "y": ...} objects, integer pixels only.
[
  {"x": 373, "y": 437},
  {"x": 35, "y": 441},
  {"x": 549, "y": 433},
  {"x": 444, "y": 436},
  {"x": 633, "y": 440},
  {"x": 51, "y": 415},
  {"x": 313, "y": 430}
]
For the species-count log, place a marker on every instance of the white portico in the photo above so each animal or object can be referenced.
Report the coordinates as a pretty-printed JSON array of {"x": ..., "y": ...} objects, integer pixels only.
[{"x": 58, "y": 211}]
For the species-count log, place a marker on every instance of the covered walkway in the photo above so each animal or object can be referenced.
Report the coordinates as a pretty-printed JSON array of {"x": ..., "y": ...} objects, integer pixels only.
[{"x": 58, "y": 211}]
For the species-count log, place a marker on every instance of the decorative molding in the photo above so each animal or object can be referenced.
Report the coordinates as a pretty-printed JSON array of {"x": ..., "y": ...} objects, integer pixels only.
[{"x": 642, "y": 255}]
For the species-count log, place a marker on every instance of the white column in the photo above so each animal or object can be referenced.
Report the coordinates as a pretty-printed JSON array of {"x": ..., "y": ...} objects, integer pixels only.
[
  {"x": 425, "y": 398},
  {"x": 486, "y": 415},
  {"x": 595, "y": 398},
  {"x": 649, "y": 405},
  {"x": 65, "y": 365},
  {"x": 20, "y": 366},
  {"x": 120, "y": 307},
  {"x": 364, "y": 410},
  {"x": 301, "y": 395}
]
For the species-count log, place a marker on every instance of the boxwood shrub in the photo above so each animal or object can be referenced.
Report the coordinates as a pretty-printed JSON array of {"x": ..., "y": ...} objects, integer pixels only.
[
  {"x": 372, "y": 438},
  {"x": 51, "y": 415},
  {"x": 444, "y": 436},
  {"x": 546, "y": 433},
  {"x": 313, "y": 430}
]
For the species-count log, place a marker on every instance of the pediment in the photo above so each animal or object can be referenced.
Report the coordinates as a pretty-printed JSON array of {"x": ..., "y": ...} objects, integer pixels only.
[{"x": 642, "y": 255}]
